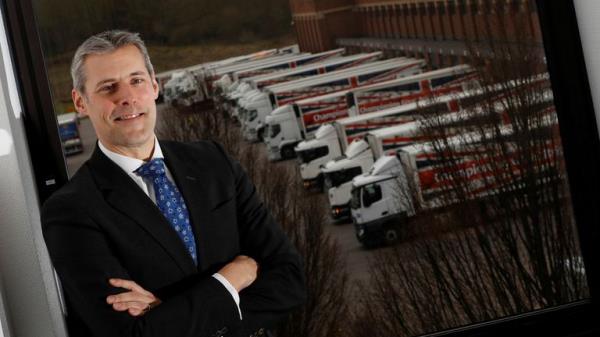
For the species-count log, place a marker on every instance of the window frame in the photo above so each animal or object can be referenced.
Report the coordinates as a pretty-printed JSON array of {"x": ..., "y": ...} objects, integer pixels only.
[
  {"x": 41, "y": 127},
  {"x": 577, "y": 123}
]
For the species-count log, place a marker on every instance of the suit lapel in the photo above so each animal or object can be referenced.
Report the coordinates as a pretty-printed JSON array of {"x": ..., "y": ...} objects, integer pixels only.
[
  {"x": 193, "y": 182},
  {"x": 123, "y": 194}
]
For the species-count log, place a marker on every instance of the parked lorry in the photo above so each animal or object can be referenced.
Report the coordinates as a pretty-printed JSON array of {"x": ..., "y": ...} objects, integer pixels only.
[
  {"x": 68, "y": 130},
  {"x": 192, "y": 85},
  {"x": 298, "y": 61},
  {"x": 369, "y": 145},
  {"x": 314, "y": 113},
  {"x": 313, "y": 69},
  {"x": 209, "y": 75},
  {"x": 358, "y": 158},
  {"x": 232, "y": 93},
  {"x": 200, "y": 70},
  {"x": 417, "y": 179},
  {"x": 183, "y": 89},
  {"x": 280, "y": 147},
  {"x": 450, "y": 112},
  {"x": 318, "y": 84},
  {"x": 251, "y": 98}
]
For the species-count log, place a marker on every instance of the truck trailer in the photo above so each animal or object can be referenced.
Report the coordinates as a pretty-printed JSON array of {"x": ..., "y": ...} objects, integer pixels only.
[
  {"x": 419, "y": 178},
  {"x": 279, "y": 147},
  {"x": 251, "y": 106},
  {"x": 452, "y": 113},
  {"x": 361, "y": 101}
]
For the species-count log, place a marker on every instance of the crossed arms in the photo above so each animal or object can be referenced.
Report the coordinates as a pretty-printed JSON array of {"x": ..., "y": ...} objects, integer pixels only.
[{"x": 90, "y": 243}]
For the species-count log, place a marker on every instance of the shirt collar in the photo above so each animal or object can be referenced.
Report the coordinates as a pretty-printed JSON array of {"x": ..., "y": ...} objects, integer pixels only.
[{"x": 130, "y": 164}]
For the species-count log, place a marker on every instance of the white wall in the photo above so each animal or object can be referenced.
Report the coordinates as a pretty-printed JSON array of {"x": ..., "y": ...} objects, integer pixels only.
[
  {"x": 29, "y": 302},
  {"x": 588, "y": 20}
]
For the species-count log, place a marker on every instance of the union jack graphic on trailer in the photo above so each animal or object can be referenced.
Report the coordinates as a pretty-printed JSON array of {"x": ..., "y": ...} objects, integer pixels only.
[
  {"x": 290, "y": 92},
  {"x": 328, "y": 108},
  {"x": 289, "y": 64}
]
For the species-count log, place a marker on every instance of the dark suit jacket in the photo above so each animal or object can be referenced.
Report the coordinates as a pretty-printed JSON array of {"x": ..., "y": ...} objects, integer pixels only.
[{"x": 102, "y": 225}]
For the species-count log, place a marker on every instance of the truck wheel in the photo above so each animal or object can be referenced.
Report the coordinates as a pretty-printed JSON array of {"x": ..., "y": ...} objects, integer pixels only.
[
  {"x": 288, "y": 152},
  {"x": 390, "y": 235}
]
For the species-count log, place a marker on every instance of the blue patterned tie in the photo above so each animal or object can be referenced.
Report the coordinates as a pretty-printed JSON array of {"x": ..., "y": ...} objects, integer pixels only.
[{"x": 170, "y": 202}]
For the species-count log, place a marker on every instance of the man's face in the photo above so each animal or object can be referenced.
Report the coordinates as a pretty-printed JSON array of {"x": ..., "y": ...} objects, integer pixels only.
[{"x": 119, "y": 99}]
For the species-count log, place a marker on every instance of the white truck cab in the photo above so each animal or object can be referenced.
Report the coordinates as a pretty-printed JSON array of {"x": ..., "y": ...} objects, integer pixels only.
[
  {"x": 233, "y": 97},
  {"x": 279, "y": 144},
  {"x": 374, "y": 145},
  {"x": 244, "y": 104},
  {"x": 377, "y": 211},
  {"x": 256, "y": 107},
  {"x": 338, "y": 176},
  {"x": 314, "y": 153},
  {"x": 183, "y": 90}
]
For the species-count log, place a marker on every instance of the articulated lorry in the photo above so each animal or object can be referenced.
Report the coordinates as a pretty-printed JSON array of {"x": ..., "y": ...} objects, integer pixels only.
[
  {"x": 419, "y": 178},
  {"x": 207, "y": 76},
  {"x": 452, "y": 113},
  {"x": 298, "y": 61},
  {"x": 237, "y": 87},
  {"x": 313, "y": 69},
  {"x": 312, "y": 113},
  {"x": 279, "y": 147},
  {"x": 252, "y": 85},
  {"x": 254, "y": 103},
  {"x": 358, "y": 158},
  {"x": 193, "y": 84},
  {"x": 200, "y": 72},
  {"x": 372, "y": 138}
]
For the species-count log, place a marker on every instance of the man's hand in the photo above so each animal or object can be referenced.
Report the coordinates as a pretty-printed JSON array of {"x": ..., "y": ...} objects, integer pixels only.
[
  {"x": 137, "y": 301},
  {"x": 241, "y": 272}
]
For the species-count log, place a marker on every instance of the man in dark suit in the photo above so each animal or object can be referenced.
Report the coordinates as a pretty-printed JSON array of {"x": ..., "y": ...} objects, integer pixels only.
[{"x": 157, "y": 238}]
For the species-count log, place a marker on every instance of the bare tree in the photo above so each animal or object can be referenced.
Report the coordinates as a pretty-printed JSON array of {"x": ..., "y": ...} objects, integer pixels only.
[
  {"x": 301, "y": 216},
  {"x": 501, "y": 238}
]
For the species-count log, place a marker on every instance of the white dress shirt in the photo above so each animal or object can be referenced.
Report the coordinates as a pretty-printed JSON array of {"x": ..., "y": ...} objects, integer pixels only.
[{"x": 129, "y": 165}]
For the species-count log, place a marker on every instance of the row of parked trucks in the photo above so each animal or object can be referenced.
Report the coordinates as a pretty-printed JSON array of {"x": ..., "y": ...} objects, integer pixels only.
[{"x": 355, "y": 123}]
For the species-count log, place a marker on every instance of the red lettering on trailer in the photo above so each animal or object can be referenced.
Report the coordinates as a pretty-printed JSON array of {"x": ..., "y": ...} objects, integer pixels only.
[
  {"x": 409, "y": 97},
  {"x": 477, "y": 171},
  {"x": 425, "y": 86},
  {"x": 453, "y": 106},
  {"x": 324, "y": 116}
]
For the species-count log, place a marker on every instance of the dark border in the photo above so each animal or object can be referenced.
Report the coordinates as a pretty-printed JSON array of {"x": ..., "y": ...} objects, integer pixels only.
[
  {"x": 581, "y": 145},
  {"x": 38, "y": 113},
  {"x": 577, "y": 121}
]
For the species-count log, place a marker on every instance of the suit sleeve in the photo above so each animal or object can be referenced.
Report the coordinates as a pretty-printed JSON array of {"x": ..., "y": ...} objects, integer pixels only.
[
  {"x": 280, "y": 285},
  {"x": 84, "y": 260}
]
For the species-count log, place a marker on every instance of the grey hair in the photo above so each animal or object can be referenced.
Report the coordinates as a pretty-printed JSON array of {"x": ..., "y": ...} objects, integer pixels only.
[{"x": 103, "y": 43}]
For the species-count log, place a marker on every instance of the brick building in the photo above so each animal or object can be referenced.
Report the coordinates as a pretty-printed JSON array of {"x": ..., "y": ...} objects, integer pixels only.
[{"x": 435, "y": 30}]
